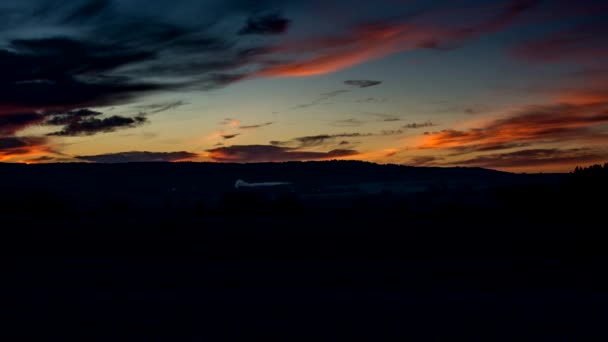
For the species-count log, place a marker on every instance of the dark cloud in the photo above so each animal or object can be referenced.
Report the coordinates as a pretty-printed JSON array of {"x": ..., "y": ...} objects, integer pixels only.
[
  {"x": 136, "y": 156},
  {"x": 229, "y": 136},
  {"x": 265, "y": 24},
  {"x": 99, "y": 53},
  {"x": 49, "y": 73},
  {"x": 329, "y": 139},
  {"x": 371, "y": 100},
  {"x": 390, "y": 132},
  {"x": 11, "y": 123},
  {"x": 74, "y": 122},
  {"x": 69, "y": 117},
  {"x": 270, "y": 153},
  {"x": 362, "y": 83},
  {"x": 81, "y": 126},
  {"x": 256, "y": 126},
  {"x": 416, "y": 125},
  {"x": 317, "y": 140}
]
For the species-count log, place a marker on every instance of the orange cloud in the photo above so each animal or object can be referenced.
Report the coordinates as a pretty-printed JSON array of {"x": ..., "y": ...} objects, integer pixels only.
[
  {"x": 564, "y": 122},
  {"x": 368, "y": 42},
  {"x": 22, "y": 148}
]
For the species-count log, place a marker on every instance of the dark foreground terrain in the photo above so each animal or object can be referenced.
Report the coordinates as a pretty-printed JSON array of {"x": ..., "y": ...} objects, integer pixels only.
[{"x": 349, "y": 251}]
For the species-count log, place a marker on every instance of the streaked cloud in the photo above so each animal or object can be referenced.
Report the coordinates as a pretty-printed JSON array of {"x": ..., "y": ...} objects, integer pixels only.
[
  {"x": 229, "y": 136},
  {"x": 137, "y": 156},
  {"x": 265, "y": 124},
  {"x": 11, "y": 147},
  {"x": 317, "y": 140},
  {"x": 362, "y": 83},
  {"x": 271, "y": 153},
  {"x": 372, "y": 41},
  {"x": 531, "y": 158},
  {"x": 416, "y": 125},
  {"x": 87, "y": 125},
  {"x": 549, "y": 123}
]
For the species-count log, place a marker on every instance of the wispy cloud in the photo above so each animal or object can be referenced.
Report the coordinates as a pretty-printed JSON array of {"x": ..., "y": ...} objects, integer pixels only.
[
  {"x": 156, "y": 108},
  {"x": 362, "y": 83},
  {"x": 265, "y": 124},
  {"x": 371, "y": 100},
  {"x": 352, "y": 122},
  {"x": 330, "y": 139},
  {"x": 317, "y": 140},
  {"x": 323, "y": 98},
  {"x": 385, "y": 117}
]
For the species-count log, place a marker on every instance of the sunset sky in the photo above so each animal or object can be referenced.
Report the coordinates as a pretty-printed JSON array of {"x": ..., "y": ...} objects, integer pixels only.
[{"x": 511, "y": 85}]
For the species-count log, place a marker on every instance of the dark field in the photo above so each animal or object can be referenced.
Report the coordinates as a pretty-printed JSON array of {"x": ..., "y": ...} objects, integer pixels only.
[{"x": 351, "y": 251}]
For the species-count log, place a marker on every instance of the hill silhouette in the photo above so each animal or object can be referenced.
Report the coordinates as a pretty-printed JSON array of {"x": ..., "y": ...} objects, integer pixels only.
[{"x": 367, "y": 251}]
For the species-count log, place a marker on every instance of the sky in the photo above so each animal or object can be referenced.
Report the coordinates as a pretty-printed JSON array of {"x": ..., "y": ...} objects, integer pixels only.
[{"x": 517, "y": 85}]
